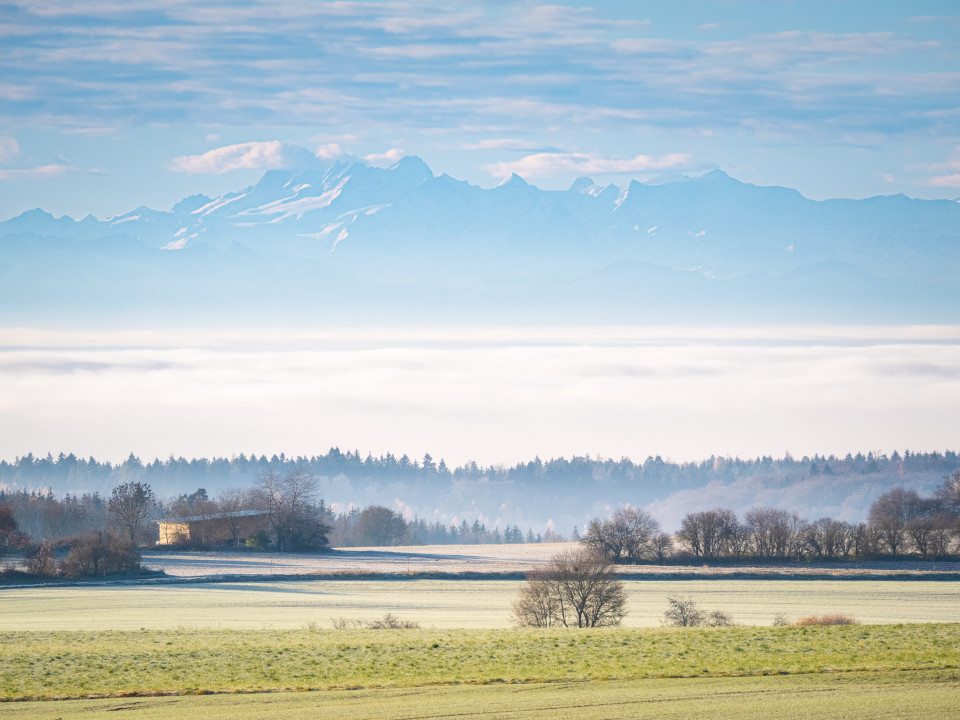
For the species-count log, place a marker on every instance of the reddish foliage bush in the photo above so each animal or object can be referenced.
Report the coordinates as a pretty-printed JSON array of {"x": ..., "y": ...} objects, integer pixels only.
[{"x": 827, "y": 620}]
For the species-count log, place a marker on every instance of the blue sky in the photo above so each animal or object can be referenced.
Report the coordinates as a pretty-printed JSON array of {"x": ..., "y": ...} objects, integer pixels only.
[{"x": 109, "y": 104}]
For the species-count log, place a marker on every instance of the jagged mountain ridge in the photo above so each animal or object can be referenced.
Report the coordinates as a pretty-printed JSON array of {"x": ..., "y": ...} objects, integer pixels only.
[{"x": 343, "y": 239}]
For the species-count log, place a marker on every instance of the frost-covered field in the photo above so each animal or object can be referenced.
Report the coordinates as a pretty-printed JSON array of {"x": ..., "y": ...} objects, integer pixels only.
[
  {"x": 400, "y": 559},
  {"x": 474, "y": 559},
  {"x": 258, "y": 604}
]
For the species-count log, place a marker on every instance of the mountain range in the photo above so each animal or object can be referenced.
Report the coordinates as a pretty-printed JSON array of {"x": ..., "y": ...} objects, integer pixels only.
[{"x": 342, "y": 242}]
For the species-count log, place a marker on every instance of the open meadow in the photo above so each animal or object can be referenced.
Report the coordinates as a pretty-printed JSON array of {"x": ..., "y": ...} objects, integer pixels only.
[
  {"x": 487, "y": 559},
  {"x": 449, "y": 603},
  {"x": 253, "y": 636},
  {"x": 927, "y": 694},
  {"x": 864, "y": 671}
]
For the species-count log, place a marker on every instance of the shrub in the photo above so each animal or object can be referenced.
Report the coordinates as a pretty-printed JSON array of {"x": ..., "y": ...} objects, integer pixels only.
[
  {"x": 392, "y": 622},
  {"x": 827, "y": 620},
  {"x": 780, "y": 620},
  {"x": 718, "y": 618},
  {"x": 100, "y": 554},
  {"x": 387, "y": 622},
  {"x": 259, "y": 540},
  {"x": 41, "y": 561},
  {"x": 683, "y": 612}
]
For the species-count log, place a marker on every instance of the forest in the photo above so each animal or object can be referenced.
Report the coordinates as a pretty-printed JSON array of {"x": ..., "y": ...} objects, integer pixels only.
[
  {"x": 92, "y": 534},
  {"x": 69, "y": 473}
]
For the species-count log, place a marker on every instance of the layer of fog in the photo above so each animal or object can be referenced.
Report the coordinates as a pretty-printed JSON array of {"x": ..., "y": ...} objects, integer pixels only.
[{"x": 489, "y": 395}]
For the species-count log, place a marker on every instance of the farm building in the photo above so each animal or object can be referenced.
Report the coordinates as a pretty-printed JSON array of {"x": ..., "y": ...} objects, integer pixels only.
[{"x": 217, "y": 529}]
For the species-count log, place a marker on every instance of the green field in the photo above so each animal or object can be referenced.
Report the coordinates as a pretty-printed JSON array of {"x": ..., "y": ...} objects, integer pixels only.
[
  {"x": 450, "y": 603},
  {"x": 267, "y": 650},
  {"x": 926, "y": 694},
  {"x": 63, "y": 665}
]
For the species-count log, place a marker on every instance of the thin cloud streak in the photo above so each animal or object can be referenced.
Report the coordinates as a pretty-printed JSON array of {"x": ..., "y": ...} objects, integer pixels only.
[
  {"x": 554, "y": 164},
  {"x": 35, "y": 173},
  {"x": 269, "y": 155}
]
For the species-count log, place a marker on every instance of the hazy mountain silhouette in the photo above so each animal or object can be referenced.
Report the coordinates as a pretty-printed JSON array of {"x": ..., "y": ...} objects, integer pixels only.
[{"x": 344, "y": 242}]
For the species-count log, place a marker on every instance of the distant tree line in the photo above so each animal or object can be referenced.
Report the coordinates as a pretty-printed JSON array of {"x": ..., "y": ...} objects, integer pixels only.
[
  {"x": 107, "y": 549},
  {"x": 58, "y": 533},
  {"x": 377, "y": 525},
  {"x": 298, "y": 519},
  {"x": 901, "y": 522},
  {"x": 80, "y": 475}
]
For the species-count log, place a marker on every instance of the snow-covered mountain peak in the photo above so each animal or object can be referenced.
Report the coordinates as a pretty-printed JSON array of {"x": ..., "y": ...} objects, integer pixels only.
[
  {"x": 581, "y": 184},
  {"x": 189, "y": 204},
  {"x": 514, "y": 181},
  {"x": 370, "y": 230},
  {"x": 412, "y": 170}
]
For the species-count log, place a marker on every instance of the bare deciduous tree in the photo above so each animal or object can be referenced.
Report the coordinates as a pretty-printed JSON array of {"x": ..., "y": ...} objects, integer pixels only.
[
  {"x": 707, "y": 534},
  {"x": 890, "y": 514},
  {"x": 775, "y": 533},
  {"x": 683, "y": 612},
  {"x": 662, "y": 545},
  {"x": 577, "y": 588},
  {"x": 290, "y": 505},
  {"x": 130, "y": 504},
  {"x": 626, "y": 536},
  {"x": 829, "y": 538},
  {"x": 230, "y": 502},
  {"x": 948, "y": 494}
]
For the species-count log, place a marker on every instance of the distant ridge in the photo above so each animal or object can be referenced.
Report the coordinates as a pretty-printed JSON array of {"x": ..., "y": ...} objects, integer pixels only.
[{"x": 342, "y": 241}]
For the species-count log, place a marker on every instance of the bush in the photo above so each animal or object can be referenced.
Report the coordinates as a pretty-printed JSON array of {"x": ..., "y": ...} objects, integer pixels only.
[
  {"x": 259, "y": 540},
  {"x": 827, "y": 620},
  {"x": 718, "y": 618},
  {"x": 41, "y": 561},
  {"x": 684, "y": 612},
  {"x": 387, "y": 622},
  {"x": 100, "y": 554}
]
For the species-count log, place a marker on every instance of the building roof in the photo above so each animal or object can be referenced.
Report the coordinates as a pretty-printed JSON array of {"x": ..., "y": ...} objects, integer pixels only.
[{"x": 215, "y": 516}]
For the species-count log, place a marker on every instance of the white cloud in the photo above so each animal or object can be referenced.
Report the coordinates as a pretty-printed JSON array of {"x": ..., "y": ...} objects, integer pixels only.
[
  {"x": 795, "y": 46},
  {"x": 43, "y": 172},
  {"x": 648, "y": 45},
  {"x": 421, "y": 51},
  {"x": 244, "y": 156},
  {"x": 497, "y": 144},
  {"x": 551, "y": 164},
  {"x": 952, "y": 181},
  {"x": 16, "y": 92},
  {"x": 383, "y": 159},
  {"x": 332, "y": 151},
  {"x": 9, "y": 149}
]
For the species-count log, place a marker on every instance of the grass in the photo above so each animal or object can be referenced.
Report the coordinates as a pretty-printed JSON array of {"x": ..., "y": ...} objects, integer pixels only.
[
  {"x": 61, "y": 665},
  {"x": 451, "y": 603},
  {"x": 927, "y": 694}
]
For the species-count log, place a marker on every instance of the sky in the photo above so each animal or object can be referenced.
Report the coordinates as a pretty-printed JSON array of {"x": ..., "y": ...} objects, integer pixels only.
[{"x": 106, "y": 105}]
